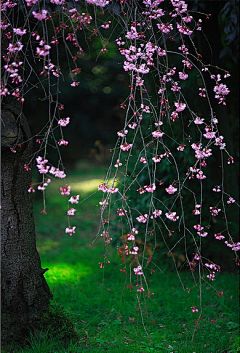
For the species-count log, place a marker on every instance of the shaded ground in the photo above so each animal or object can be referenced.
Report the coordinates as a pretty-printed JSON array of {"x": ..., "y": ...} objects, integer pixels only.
[{"x": 97, "y": 301}]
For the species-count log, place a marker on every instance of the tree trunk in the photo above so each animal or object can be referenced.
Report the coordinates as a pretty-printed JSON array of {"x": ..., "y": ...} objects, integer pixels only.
[{"x": 25, "y": 293}]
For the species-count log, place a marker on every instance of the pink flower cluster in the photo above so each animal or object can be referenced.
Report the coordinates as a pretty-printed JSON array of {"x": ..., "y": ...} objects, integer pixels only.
[
  {"x": 41, "y": 15},
  {"x": 105, "y": 235},
  {"x": 70, "y": 230},
  {"x": 43, "y": 168},
  {"x": 74, "y": 199},
  {"x": 102, "y": 187},
  {"x": 142, "y": 218},
  {"x": 172, "y": 216},
  {"x": 138, "y": 270},
  {"x": 214, "y": 211},
  {"x": 64, "y": 121},
  {"x": 101, "y": 3},
  {"x": 65, "y": 190}
]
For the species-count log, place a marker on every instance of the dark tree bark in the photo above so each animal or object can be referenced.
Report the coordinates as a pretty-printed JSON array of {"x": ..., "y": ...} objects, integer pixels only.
[{"x": 25, "y": 293}]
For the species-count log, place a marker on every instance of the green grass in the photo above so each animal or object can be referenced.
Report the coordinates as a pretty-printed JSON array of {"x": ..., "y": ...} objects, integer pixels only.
[{"x": 98, "y": 313}]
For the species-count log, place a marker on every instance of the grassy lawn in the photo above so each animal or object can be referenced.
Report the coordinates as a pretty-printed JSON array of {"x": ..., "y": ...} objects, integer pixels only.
[{"x": 97, "y": 302}]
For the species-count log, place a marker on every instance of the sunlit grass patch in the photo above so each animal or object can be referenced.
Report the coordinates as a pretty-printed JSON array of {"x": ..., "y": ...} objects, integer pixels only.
[{"x": 67, "y": 273}]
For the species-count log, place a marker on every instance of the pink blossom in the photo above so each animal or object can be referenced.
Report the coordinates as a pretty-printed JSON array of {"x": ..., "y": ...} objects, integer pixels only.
[
  {"x": 165, "y": 28},
  {"x": 138, "y": 270},
  {"x": 41, "y": 187},
  {"x": 194, "y": 309},
  {"x": 106, "y": 25},
  {"x": 152, "y": 3},
  {"x": 219, "y": 142},
  {"x": 187, "y": 19},
  {"x": 43, "y": 51},
  {"x": 186, "y": 62},
  {"x": 217, "y": 188},
  {"x": 40, "y": 15},
  {"x": 132, "y": 126},
  {"x": 103, "y": 203},
  {"x": 196, "y": 212},
  {"x": 13, "y": 48},
  {"x": 174, "y": 116},
  {"x": 103, "y": 187},
  {"x": 19, "y": 31},
  {"x": 159, "y": 123},
  {"x": 143, "y": 160},
  {"x": 141, "y": 289},
  {"x": 31, "y": 189},
  {"x": 202, "y": 92},
  {"x": 150, "y": 188},
  {"x": 113, "y": 190},
  {"x": 40, "y": 160},
  {"x": 211, "y": 276},
  {"x": 134, "y": 251},
  {"x": 121, "y": 212},
  {"x": 131, "y": 237},
  {"x": 142, "y": 218},
  {"x": 171, "y": 189},
  {"x": 26, "y": 166},
  {"x": 132, "y": 34},
  {"x": 182, "y": 75},
  {"x": 101, "y": 3},
  {"x": 139, "y": 81},
  {"x": 198, "y": 227},
  {"x": 184, "y": 29},
  {"x": 157, "y": 159},
  {"x": 157, "y": 133},
  {"x": 31, "y": 2},
  {"x": 65, "y": 190},
  {"x": 221, "y": 90},
  {"x": 42, "y": 168},
  {"x": 231, "y": 200},
  {"x": 202, "y": 234},
  {"x": 200, "y": 175},
  {"x": 213, "y": 266},
  {"x": 57, "y": 173},
  {"x": 118, "y": 164},
  {"x": 175, "y": 87},
  {"x": 198, "y": 121},
  {"x": 4, "y": 91},
  {"x": 214, "y": 211},
  {"x": 161, "y": 52},
  {"x": 122, "y": 133},
  {"x": 209, "y": 135},
  {"x": 156, "y": 213},
  {"x": 126, "y": 146},
  {"x": 172, "y": 216},
  {"x": 63, "y": 142},
  {"x": 219, "y": 236},
  {"x": 181, "y": 148},
  {"x": 74, "y": 199},
  {"x": 184, "y": 49},
  {"x": 75, "y": 84},
  {"x": 64, "y": 122},
  {"x": 141, "y": 191},
  {"x": 57, "y": 2},
  {"x": 179, "y": 106},
  {"x": 3, "y": 24},
  {"x": 70, "y": 230},
  {"x": 134, "y": 231},
  {"x": 71, "y": 212}
]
